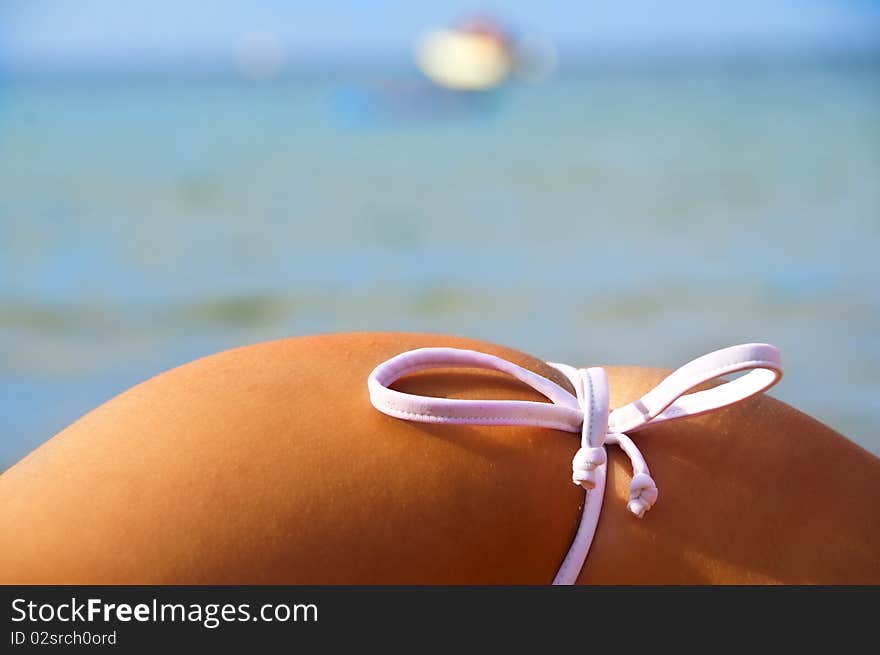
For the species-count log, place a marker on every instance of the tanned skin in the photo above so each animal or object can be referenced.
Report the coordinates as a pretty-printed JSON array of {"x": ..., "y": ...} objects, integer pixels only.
[{"x": 268, "y": 464}]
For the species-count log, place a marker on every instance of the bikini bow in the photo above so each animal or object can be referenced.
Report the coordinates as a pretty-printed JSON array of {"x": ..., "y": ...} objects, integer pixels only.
[{"x": 586, "y": 412}]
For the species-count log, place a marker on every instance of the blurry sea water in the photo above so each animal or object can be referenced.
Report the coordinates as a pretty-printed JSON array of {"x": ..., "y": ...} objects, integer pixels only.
[{"x": 604, "y": 217}]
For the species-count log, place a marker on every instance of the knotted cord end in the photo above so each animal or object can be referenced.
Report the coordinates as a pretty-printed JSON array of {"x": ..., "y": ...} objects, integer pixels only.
[
  {"x": 584, "y": 466},
  {"x": 642, "y": 494}
]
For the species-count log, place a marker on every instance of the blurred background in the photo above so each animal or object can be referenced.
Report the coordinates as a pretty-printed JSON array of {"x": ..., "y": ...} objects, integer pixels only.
[{"x": 591, "y": 182}]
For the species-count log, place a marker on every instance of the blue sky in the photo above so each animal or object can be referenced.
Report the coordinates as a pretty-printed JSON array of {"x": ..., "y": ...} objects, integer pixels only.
[{"x": 36, "y": 32}]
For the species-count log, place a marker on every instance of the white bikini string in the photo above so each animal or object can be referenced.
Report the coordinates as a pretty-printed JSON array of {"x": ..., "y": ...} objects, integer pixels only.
[{"x": 587, "y": 412}]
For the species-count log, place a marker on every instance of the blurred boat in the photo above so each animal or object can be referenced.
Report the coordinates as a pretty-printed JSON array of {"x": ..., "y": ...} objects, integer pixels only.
[
  {"x": 477, "y": 56},
  {"x": 463, "y": 68}
]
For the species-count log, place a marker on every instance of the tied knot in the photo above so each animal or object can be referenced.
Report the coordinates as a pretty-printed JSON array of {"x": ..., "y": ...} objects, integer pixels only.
[
  {"x": 584, "y": 464},
  {"x": 642, "y": 494}
]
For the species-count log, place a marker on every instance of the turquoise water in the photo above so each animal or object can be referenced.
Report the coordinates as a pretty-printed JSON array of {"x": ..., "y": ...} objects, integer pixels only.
[{"x": 609, "y": 216}]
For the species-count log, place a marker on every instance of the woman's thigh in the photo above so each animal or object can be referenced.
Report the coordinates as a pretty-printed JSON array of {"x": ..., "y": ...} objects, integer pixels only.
[{"x": 268, "y": 464}]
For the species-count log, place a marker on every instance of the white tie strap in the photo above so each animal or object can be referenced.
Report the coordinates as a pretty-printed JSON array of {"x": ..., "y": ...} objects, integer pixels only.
[{"x": 587, "y": 413}]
